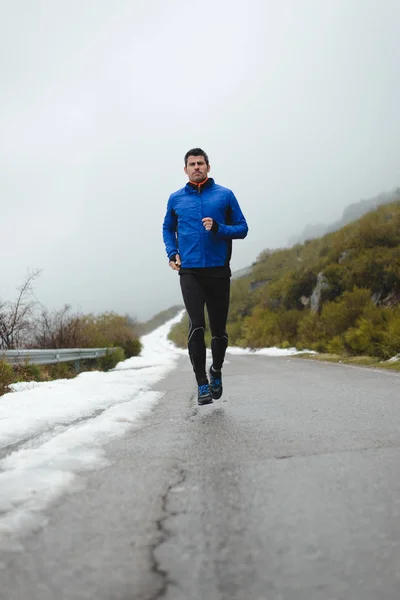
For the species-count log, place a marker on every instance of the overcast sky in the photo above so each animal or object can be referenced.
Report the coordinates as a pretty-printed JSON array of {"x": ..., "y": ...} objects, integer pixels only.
[{"x": 295, "y": 101}]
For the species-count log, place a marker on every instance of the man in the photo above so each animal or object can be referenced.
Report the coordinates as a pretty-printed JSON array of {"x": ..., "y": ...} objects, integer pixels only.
[{"x": 201, "y": 221}]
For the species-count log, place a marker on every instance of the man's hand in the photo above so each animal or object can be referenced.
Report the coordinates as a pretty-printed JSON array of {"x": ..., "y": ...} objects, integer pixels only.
[
  {"x": 208, "y": 223},
  {"x": 175, "y": 264}
]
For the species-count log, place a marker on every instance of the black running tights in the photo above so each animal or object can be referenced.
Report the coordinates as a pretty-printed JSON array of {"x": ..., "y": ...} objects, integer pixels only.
[{"x": 213, "y": 292}]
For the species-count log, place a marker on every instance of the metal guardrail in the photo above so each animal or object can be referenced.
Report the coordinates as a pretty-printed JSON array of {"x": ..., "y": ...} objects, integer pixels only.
[{"x": 48, "y": 357}]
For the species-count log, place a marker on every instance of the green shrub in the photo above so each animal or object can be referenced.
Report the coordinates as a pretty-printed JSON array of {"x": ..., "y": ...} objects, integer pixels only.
[
  {"x": 391, "y": 336},
  {"x": 366, "y": 337},
  {"x": 62, "y": 370},
  {"x": 112, "y": 357},
  {"x": 310, "y": 332},
  {"x": 285, "y": 344},
  {"x": 241, "y": 299},
  {"x": 342, "y": 313},
  {"x": 258, "y": 329},
  {"x": 288, "y": 323},
  {"x": 27, "y": 372},
  {"x": 265, "y": 327},
  {"x": 336, "y": 345},
  {"x": 6, "y": 376},
  {"x": 179, "y": 332},
  {"x": 234, "y": 329},
  {"x": 372, "y": 268},
  {"x": 132, "y": 348}
]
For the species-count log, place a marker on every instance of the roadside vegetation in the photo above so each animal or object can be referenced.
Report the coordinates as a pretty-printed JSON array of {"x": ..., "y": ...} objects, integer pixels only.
[
  {"x": 24, "y": 323},
  {"x": 338, "y": 295}
]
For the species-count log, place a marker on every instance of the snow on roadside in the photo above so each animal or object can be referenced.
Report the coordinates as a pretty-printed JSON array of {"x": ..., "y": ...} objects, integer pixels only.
[
  {"x": 31, "y": 410},
  {"x": 62, "y": 427},
  {"x": 268, "y": 351}
]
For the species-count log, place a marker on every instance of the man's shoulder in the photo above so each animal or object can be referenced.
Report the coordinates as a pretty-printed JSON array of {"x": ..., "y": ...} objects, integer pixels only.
[
  {"x": 176, "y": 196},
  {"x": 221, "y": 189},
  {"x": 216, "y": 188},
  {"x": 178, "y": 193}
]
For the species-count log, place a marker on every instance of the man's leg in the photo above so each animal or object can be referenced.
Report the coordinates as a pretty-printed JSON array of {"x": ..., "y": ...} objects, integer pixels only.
[
  {"x": 194, "y": 298},
  {"x": 217, "y": 301}
]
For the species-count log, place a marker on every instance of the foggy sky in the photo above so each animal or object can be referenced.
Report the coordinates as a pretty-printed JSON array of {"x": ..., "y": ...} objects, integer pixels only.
[{"x": 295, "y": 101}]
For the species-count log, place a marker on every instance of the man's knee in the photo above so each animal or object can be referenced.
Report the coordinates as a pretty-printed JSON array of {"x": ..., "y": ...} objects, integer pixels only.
[
  {"x": 219, "y": 334},
  {"x": 195, "y": 333}
]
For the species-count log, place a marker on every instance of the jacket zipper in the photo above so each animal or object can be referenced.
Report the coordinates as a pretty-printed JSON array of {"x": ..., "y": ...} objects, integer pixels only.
[{"x": 202, "y": 233}]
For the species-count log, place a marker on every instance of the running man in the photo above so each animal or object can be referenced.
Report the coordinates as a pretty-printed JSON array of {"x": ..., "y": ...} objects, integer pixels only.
[{"x": 201, "y": 221}]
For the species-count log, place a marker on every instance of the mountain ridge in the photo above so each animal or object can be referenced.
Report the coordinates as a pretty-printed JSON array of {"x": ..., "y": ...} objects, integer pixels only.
[{"x": 351, "y": 213}]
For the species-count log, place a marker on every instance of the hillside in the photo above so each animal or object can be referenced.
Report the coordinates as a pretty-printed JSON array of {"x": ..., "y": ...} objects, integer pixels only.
[
  {"x": 351, "y": 213},
  {"x": 339, "y": 293},
  {"x": 158, "y": 319}
]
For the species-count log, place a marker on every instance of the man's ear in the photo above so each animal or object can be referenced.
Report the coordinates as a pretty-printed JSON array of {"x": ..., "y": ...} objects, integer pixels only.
[
  {"x": 208, "y": 168},
  {"x": 185, "y": 169}
]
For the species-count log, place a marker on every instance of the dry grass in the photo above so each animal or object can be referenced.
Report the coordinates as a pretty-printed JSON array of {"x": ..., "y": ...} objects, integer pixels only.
[{"x": 361, "y": 361}]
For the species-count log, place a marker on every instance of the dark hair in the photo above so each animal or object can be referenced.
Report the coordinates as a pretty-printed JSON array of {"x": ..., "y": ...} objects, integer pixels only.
[{"x": 196, "y": 152}]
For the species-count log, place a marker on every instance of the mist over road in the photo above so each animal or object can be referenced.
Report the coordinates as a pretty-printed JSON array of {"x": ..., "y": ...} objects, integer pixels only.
[{"x": 288, "y": 489}]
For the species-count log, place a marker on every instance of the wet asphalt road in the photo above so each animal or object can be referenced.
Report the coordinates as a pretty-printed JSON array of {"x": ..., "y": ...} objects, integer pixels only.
[{"x": 287, "y": 490}]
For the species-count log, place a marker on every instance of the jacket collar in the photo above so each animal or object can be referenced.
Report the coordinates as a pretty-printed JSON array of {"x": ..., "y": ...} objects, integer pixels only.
[{"x": 199, "y": 187}]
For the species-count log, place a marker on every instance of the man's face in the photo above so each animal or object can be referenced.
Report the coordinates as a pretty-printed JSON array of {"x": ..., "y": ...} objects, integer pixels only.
[{"x": 197, "y": 168}]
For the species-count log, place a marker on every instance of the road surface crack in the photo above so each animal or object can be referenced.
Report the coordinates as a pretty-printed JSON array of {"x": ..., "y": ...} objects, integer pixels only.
[{"x": 163, "y": 535}]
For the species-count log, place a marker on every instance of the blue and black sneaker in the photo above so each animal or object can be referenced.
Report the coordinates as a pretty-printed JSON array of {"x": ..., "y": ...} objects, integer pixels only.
[
  {"x": 215, "y": 383},
  {"x": 204, "y": 394}
]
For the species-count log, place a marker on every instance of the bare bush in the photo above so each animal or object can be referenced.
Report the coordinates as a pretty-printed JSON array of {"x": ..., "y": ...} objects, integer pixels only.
[
  {"x": 16, "y": 317},
  {"x": 61, "y": 329},
  {"x": 58, "y": 329}
]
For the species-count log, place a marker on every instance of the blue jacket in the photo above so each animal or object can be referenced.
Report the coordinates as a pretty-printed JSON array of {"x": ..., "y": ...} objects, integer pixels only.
[{"x": 185, "y": 234}]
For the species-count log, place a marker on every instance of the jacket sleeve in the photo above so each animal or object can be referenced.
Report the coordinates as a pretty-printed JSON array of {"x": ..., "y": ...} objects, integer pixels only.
[
  {"x": 170, "y": 231},
  {"x": 237, "y": 226}
]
